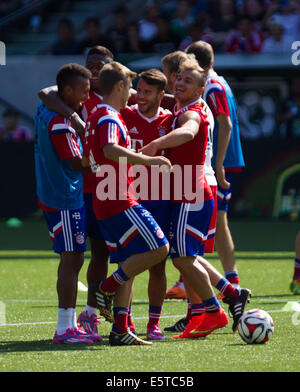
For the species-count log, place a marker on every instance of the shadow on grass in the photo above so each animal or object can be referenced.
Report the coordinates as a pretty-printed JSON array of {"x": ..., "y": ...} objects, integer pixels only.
[
  {"x": 273, "y": 296},
  {"x": 45, "y": 345}
]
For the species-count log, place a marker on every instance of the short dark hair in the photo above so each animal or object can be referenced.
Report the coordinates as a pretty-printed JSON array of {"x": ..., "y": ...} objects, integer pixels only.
[
  {"x": 203, "y": 52},
  {"x": 101, "y": 50},
  {"x": 111, "y": 74},
  {"x": 68, "y": 73},
  {"x": 155, "y": 77}
]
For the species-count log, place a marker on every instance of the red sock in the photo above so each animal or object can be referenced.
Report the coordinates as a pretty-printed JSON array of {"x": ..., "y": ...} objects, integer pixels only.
[
  {"x": 120, "y": 319},
  {"x": 154, "y": 315},
  {"x": 189, "y": 311},
  {"x": 226, "y": 288}
]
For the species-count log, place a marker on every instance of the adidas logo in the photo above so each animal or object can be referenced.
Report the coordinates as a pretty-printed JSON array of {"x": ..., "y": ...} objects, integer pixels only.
[{"x": 134, "y": 130}]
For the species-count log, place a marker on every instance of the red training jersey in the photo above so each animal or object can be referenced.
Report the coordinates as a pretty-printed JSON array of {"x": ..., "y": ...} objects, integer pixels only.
[
  {"x": 190, "y": 158},
  {"x": 88, "y": 108},
  {"x": 111, "y": 194},
  {"x": 144, "y": 130}
]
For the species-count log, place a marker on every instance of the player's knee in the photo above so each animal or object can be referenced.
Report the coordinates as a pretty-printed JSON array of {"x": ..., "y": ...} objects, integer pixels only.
[{"x": 163, "y": 251}]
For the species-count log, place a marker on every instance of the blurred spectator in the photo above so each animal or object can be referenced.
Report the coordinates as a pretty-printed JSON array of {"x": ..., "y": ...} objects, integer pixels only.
[
  {"x": 245, "y": 39},
  {"x": 93, "y": 35},
  {"x": 223, "y": 15},
  {"x": 182, "y": 20},
  {"x": 66, "y": 43},
  {"x": 196, "y": 33},
  {"x": 286, "y": 12},
  {"x": 164, "y": 40},
  {"x": 147, "y": 25},
  {"x": 277, "y": 42},
  {"x": 289, "y": 118},
  {"x": 133, "y": 43},
  {"x": 11, "y": 130},
  {"x": 8, "y": 6},
  {"x": 118, "y": 33}
]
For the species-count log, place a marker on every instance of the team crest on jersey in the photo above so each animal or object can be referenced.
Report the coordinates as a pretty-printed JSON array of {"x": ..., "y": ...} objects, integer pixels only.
[
  {"x": 79, "y": 238},
  {"x": 159, "y": 233},
  {"x": 162, "y": 131}
]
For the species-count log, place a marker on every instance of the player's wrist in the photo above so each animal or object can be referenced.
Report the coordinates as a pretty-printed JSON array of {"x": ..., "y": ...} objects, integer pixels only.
[{"x": 72, "y": 116}]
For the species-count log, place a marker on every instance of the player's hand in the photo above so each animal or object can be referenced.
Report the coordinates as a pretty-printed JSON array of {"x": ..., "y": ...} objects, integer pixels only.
[
  {"x": 150, "y": 149},
  {"x": 77, "y": 123},
  {"x": 160, "y": 161},
  {"x": 220, "y": 174}
]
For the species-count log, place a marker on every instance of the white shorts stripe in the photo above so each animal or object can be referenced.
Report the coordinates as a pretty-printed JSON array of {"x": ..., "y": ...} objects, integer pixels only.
[
  {"x": 144, "y": 231},
  {"x": 70, "y": 230},
  {"x": 178, "y": 234},
  {"x": 127, "y": 234},
  {"x": 63, "y": 228}
]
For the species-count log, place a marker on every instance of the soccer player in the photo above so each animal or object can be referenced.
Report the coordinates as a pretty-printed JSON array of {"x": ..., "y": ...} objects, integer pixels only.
[
  {"x": 58, "y": 163},
  {"x": 131, "y": 233},
  {"x": 97, "y": 56},
  {"x": 190, "y": 216},
  {"x": 171, "y": 64},
  {"x": 147, "y": 121},
  {"x": 227, "y": 152},
  {"x": 295, "y": 285}
]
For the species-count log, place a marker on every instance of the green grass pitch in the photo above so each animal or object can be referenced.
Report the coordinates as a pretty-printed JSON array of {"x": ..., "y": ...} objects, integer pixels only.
[{"x": 28, "y": 310}]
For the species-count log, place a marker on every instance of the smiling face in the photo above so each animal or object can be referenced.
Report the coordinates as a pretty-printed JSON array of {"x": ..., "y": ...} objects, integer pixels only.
[
  {"x": 148, "y": 98},
  {"x": 188, "y": 87},
  {"x": 77, "y": 93}
]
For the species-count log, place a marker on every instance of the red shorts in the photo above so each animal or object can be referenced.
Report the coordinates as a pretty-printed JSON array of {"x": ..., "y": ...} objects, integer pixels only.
[{"x": 210, "y": 242}]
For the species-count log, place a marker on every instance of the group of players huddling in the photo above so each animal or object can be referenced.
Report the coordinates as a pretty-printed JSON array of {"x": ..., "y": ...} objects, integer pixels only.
[{"x": 88, "y": 145}]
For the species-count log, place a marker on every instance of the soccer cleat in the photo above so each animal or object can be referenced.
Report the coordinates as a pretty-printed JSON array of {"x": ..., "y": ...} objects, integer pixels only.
[
  {"x": 89, "y": 325},
  {"x": 104, "y": 301},
  {"x": 126, "y": 339},
  {"x": 72, "y": 336},
  {"x": 209, "y": 323},
  {"x": 193, "y": 323},
  {"x": 176, "y": 292},
  {"x": 295, "y": 287},
  {"x": 237, "y": 305},
  {"x": 179, "y": 326},
  {"x": 154, "y": 333}
]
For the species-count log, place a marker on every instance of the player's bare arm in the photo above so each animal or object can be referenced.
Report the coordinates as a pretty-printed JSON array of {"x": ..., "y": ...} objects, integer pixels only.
[
  {"x": 49, "y": 96},
  {"x": 188, "y": 127},
  {"x": 115, "y": 152},
  {"x": 224, "y": 132}
]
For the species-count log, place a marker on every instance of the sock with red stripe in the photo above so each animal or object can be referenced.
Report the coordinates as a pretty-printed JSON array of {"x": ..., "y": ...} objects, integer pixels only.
[
  {"x": 189, "y": 310},
  {"x": 233, "y": 278},
  {"x": 113, "y": 282},
  {"x": 120, "y": 319},
  {"x": 212, "y": 305},
  {"x": 130, "y": 319},
  {"x": 198, "y": 309},
  {"x": 296, "y": 269},
  {"x": 226, "y": 288},
  {"x": 154, "y": 315}
]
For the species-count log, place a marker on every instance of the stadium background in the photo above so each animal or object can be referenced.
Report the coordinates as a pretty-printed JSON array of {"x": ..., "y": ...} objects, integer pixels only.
[{"x": 266, "y": 83}]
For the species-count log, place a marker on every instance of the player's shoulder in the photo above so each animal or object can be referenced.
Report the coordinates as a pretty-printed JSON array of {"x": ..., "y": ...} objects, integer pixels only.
[
  {"x": 163, "y": 112},
  {"x": 59, "y": 124},
  {"x": 129, "y": 111},
  {"x": 214, "y": 83}
]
